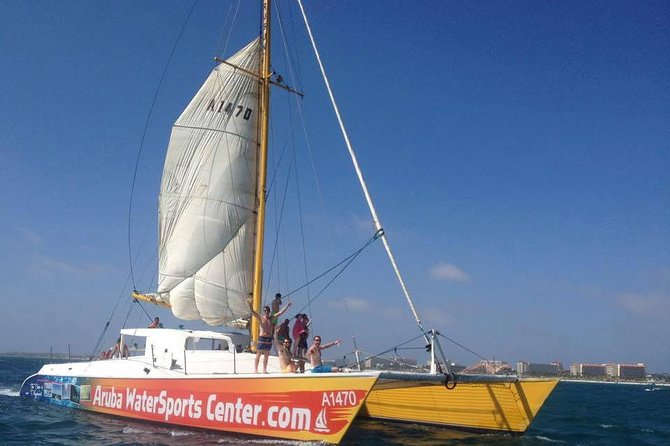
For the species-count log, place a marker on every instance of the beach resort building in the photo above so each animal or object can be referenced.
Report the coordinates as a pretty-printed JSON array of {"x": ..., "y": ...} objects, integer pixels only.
[
  {"x": 632, "y": 371},
  {"x": 589, "y": 370},
  {"x": 622, "y": 371}
]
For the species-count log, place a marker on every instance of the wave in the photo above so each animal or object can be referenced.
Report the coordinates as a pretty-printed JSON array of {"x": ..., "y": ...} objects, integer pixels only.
[
  {"x": 134, "y": 430},
  {"x": 547, "y": 439},
  {"x": 180, "y": 433},
  {"x": 9, "y": 392}
]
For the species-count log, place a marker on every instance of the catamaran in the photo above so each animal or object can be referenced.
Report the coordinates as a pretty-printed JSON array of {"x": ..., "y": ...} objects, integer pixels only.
[{"x": 211, "y": 210}]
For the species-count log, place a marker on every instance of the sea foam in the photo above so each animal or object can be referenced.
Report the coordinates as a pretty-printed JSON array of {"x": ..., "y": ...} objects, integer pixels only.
[{"x": 9, "y": 392}]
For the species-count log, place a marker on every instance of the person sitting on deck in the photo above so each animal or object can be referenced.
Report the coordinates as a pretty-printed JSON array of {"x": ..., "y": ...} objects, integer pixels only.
[
  {"x": 286, "y": 364},
  {"x": 116, "y": 350},
  {"x": 156, "y": 323}
]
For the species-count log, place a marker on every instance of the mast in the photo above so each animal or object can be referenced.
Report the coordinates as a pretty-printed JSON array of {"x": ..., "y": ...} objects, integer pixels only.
[{"x": 264, "y": 107}]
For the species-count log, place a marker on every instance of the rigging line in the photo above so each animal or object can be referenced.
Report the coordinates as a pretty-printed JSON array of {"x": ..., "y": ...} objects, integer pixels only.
[
  {"x": 348, "y": 320},
  {"x": 271, "y": 189},
  {"x": 130, "y": 311},
  {"x": 293, "y": 73},
  {"x": 355, "y": 253},
  {"x": 276, "y": 169},
  {"x": 142, "y": 244},
  {"x": 282, "y": 208},
  {"x": 275, "y": 203},
  {"x": 463, "y": 347},
  {"x": 274, "y": 249},
  {"x": 228, "y": 27},
  {"x": 315, "y": 175},
  {"x": 150, "y": 262},
  {"x": 302, "y": 224},
  {"x": 144, "y": 134},
  {"x": 123, "y": 292},
  {"x": 97, "y": 345},
  {"x": 290, "y": 59},
  {"x": 348, "y": 261},
  {"x": 361, "y": 180},
  {"x": 309, "y": 302},
  {"x": 295, "y": 159},
  {"x": 111, "y": 316},
  {"x": 290, "y": 110},
  {"x": 151, "y": 258},
  {"x": 379, "y": 355},
  {"x": 294, "y": 78}
]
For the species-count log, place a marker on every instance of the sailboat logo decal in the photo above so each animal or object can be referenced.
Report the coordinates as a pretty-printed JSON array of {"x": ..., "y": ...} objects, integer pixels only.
[{"x": 321, "y": 424}]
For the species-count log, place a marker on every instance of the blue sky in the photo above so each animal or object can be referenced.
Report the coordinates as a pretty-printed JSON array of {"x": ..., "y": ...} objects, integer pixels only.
[{"x": 517, "y": 153}]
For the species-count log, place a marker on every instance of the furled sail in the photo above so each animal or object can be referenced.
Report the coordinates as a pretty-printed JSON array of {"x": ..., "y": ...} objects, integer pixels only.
[{"x": 207, "y": 197}]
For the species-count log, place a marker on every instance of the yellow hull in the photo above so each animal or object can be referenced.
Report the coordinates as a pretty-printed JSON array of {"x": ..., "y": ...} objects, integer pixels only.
[{"x": 491, "y": 406}]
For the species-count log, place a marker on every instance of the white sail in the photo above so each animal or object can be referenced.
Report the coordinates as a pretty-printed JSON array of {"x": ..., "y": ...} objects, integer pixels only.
[{"x": 207, "y": 197}]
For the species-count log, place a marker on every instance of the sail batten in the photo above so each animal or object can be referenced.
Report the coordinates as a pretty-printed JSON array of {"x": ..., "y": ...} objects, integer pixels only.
[
  {"x": 207, "y": 199},
  {"x": 213, "y": 130}
]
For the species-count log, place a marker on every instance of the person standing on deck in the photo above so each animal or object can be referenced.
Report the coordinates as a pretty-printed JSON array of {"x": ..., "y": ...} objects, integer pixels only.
[
  {"x": 297, "y": 329},
  {"x": 265, "y": 334},
  {"x": 302, "y": 337},
  {"x": 281, "y": 332},
  {"x": 274, "y": 307}
]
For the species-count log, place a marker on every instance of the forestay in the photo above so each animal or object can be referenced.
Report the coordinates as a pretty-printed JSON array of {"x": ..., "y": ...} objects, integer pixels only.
[{"x": 207, "y": 197}]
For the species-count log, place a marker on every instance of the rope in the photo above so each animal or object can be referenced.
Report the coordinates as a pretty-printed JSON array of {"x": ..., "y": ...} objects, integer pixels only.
[
  {"x": 144, "y": 133},
  {"x": 111, "y": 316},
  {"x": 463, "y": 347},
  {"x": 392, "y": 349},
  {"x": 302, "y": 238},
  {"x": 346, "y": 260},
  {"x": 274, "y": 249},
  {"x": 222, "y": 44}
]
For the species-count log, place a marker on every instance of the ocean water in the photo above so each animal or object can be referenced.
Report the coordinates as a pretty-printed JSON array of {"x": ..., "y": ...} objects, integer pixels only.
[{"x": 575, "y": 414}]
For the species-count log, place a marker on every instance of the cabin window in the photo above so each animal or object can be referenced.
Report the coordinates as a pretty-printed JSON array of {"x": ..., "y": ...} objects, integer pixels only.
[{"x": 207, "y": 344}]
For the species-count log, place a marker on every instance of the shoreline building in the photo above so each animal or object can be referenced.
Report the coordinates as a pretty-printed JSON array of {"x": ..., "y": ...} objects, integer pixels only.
[
  {"x": 621, "y": 371},
  {"x": 632, "y": 371}
]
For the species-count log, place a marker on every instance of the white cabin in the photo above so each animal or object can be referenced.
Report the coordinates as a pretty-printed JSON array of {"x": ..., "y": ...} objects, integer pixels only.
[{"x": 170, "y": 353}]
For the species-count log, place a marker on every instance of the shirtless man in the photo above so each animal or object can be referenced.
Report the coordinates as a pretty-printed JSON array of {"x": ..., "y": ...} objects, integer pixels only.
[
  {"x": 265, "y": 335},
  {"x": 285, "y": 359},
  {"x": 314, "y": 356}
]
